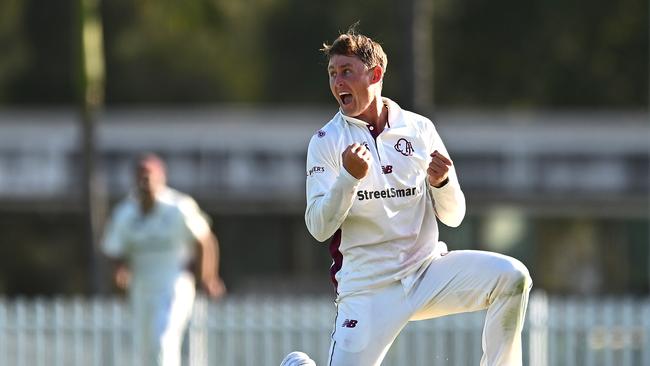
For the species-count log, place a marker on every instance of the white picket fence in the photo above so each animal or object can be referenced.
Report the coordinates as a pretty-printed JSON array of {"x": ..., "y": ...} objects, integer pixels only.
[{"x": 255, "y": 331}]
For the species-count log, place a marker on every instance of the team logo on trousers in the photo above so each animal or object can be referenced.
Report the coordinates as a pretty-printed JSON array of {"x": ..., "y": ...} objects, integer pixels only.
[
  {"x": 349, "y": 323},
  {"x": 404, "y": 147}
]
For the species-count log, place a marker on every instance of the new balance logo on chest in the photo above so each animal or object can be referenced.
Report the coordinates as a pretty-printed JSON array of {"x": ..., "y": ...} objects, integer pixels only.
[{"x": 349, "y": 323}]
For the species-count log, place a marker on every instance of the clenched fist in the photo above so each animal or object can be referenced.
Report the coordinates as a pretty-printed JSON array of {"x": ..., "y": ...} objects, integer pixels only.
[
  {"x": 438, "y": 170},
  {"x": 356, "y": 160}
]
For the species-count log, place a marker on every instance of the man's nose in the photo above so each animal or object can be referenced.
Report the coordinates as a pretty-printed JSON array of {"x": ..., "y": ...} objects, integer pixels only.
[{"x": 338, "y": 81}]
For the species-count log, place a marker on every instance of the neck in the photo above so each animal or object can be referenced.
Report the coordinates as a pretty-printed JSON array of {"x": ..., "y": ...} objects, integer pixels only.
[
  {"x": 146, "y": 205},
  {"x": 147, "y": 201},
  {"x": 376, "y": 114}
]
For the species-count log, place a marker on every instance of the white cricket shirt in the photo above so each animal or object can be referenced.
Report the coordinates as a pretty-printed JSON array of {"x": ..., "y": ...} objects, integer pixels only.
[
  {"x": 383, "y": 226},
  {"x": 158, "y": 245}
]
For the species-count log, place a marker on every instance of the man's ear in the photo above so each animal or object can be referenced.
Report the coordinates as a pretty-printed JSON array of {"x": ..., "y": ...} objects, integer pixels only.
[{"x": 377, "y": 74}]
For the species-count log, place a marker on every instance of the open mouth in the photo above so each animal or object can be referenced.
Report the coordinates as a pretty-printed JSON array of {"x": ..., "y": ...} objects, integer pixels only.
[{"x": 346, "y": 98}]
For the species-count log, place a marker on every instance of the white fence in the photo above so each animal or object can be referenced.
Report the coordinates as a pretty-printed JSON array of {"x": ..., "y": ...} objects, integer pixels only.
[{"x": 260, "y": 331}]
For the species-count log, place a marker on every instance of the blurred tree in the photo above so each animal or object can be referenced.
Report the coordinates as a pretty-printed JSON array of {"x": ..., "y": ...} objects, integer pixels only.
[
  {"x": 90, "y": 95},
  {"x": 12, "y": 44},
  {"x": 39, "y": 53},
  {"x": 418, "y": 55},
  {"x": 296, "y": 32},
  {"x": 508, "y": 53},
  {"x": 198, "y": 51},
  {"x": 542, "y": 54}
]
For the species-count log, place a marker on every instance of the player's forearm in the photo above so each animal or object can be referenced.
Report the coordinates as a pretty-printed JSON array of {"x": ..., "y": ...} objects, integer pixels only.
[
  {"x": 449, "y": 202},
  {"x": 325, "y": 214},
  {"x": 209, "y": 258}
]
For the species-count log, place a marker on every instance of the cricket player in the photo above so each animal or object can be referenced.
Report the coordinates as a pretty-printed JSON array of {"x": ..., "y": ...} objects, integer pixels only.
[
  {"x": 152, "y": 237},
  {"x": 378, "y": 176}
]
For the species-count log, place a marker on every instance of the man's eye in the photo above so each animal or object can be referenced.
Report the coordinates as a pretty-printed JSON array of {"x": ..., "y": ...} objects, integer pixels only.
[{"x": 347, "y": 72}]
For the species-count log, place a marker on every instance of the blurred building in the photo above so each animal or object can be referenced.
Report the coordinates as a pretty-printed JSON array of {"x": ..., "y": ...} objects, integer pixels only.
[{"x": 566, "y": 192}]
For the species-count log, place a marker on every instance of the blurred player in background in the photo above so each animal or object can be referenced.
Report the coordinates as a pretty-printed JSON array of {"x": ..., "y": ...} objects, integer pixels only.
[
  {"x": 377, "y": 178},
  {"x": 152, "y": 238}
]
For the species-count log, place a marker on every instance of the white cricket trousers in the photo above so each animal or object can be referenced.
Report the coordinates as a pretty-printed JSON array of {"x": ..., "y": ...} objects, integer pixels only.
[
  {"x": 161, "y": 315},
  {"x": 460, "y": 281}
]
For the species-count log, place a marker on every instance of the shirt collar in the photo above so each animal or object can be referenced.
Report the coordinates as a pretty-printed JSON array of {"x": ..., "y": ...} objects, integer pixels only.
[
  {"x": 393, "y": 115},
  {"x": 165, "y": 196}
]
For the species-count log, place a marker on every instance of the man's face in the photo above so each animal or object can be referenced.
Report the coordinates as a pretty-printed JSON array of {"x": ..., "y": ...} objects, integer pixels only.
[
  {"x": 150, "y": 178},
  {"x": 351, "y": 84}
]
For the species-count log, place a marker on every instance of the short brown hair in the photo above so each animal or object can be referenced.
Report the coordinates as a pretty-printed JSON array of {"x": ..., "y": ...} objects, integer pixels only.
[
  {"x": 150, "y": 159},
  {"x": 353, "y": 44}
]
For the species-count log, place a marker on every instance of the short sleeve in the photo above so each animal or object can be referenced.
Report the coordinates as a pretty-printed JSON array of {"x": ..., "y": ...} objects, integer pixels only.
[
  {"x": 114, "y": 243},
  {"x": 195, "y": 220},
  {"x": 433, "y": 139}
]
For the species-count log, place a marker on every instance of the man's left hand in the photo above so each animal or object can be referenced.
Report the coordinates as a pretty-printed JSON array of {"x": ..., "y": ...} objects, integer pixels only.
[{"x": 214, "y": 287}]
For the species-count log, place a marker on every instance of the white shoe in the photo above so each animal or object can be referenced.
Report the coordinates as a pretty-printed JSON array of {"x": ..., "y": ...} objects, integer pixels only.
[{"x": 297, "y": 359}]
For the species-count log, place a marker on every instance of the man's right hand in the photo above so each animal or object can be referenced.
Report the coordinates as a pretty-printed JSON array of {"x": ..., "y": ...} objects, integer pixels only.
[
  {"x": 122, "y": 276},
  {"x": 356, "y": 160}
]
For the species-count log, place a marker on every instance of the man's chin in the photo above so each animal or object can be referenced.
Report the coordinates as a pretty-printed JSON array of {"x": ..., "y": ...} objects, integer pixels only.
[{"x": 348, "y": 111}]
